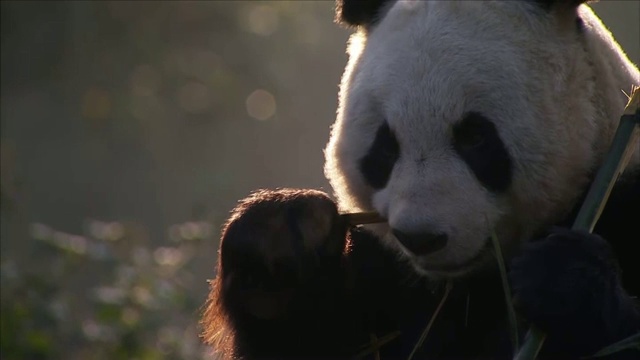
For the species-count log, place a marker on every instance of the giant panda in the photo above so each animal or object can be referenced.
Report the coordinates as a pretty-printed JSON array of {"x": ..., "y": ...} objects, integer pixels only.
[{"x": 459, "y": 122}]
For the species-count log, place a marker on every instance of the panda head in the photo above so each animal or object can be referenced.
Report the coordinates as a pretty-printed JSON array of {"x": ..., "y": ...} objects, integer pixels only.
[{"x": 460, "y": 119}]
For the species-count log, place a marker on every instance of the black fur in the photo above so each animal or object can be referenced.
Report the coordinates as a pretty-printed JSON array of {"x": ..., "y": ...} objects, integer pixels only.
[
  {"x": 566, "y": 283},
  {"x": 366, "y": 13},
  {"x": 377, "y": 165},
  {"x": 579, "y": 25},
  {"x": 478, "y": 143},
  {"x": 554, "y": 4},
  {"x": 360, "y": 12},
  {"x": 421, "y": 243}
]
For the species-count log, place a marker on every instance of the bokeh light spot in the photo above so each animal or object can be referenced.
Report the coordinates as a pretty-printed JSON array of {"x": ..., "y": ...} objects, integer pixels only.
[
  {"x": 106, "y": 231},
  {"x": 262, "y": 20},
  {"x": 110, "y": 295},
  {"x": 166, "y": 256},
  {"x": 77, "y": 244},
  {"x": 114, "y": 231},
  {"x": 90, "y": 329},
  {"x": 189, "y": 231},
  {"x": 141, "y": 295},
  {"x": 261, "y": 105}
]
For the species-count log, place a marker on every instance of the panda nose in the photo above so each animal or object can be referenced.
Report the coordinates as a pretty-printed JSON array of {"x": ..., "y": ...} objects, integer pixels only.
[{"x": 421, "y": 243}]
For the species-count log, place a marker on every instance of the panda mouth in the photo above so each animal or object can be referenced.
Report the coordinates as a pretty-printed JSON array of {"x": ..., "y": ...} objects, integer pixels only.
[{"x": 479, "y": 258}]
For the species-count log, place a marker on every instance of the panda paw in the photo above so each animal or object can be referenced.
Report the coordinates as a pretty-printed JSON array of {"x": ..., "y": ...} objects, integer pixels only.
[
  {"x": 275, "y": 243},
  {"x": 566, "y": 282}
]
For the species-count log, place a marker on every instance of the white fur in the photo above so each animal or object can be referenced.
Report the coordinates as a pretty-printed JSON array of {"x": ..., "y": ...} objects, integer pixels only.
[{"x": 554, "y": 98}]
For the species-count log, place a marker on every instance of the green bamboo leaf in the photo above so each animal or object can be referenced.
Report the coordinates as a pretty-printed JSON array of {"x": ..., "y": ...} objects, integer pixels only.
[
  {"x": 532, "y": 344},
  {"x": 426, "y": 330},
  {"x": 511, "y": 312}
]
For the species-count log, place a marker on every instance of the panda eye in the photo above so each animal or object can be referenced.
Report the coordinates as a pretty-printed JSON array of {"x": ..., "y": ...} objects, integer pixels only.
[
  {"x": 468, "y": 138},
  {"x": 473, "y": 132},
  {"x": 477, "y": 142},
  {"x": 377, "y": 165}
]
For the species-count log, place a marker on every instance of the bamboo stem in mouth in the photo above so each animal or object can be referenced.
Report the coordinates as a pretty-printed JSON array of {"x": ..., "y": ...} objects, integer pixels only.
[{"x": 360, "y": 218}]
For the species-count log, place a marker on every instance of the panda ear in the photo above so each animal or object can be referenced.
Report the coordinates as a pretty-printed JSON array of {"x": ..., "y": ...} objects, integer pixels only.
[
  {"x": 556, "y": 4},
  {"x": 359, "y": 12}
]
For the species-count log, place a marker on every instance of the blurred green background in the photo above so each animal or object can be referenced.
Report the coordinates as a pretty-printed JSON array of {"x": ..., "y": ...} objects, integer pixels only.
[{"x": 128, "y": 132}]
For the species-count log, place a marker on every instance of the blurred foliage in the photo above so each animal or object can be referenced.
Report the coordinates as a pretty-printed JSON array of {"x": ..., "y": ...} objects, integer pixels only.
[{"x": 97, "y": 297}]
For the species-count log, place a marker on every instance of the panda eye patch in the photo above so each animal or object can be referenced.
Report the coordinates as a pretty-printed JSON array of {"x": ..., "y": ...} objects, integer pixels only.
[
  {"x": 477, "y": 142},
  {"x": 468, "y": 138},
  {"x": 377, "y": 165}
]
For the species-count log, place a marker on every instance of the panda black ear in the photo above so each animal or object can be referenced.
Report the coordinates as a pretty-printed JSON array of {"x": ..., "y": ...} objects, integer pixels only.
[
  {"x": 359, "y": 12},
  {"x": 553, "y": 4}
]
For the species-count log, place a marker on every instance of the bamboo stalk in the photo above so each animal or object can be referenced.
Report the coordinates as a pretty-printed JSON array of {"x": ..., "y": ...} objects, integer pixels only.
[
  {"x": 626, "y": 135},
  {"x": 367, "y": 217},
  {"x": 507, "y": 292},
  {"x": 619, "y": 155}
]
